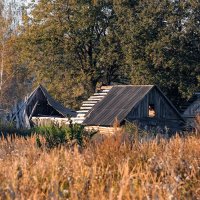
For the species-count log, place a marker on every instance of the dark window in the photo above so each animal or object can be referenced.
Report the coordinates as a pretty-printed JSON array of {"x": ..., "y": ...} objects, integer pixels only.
[{"x": 151, "y": 111}]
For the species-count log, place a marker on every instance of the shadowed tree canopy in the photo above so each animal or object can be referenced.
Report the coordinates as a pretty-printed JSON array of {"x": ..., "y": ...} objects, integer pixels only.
[
  {"x": 73, "y": 46},
  {"x": 163, "y": 45}
]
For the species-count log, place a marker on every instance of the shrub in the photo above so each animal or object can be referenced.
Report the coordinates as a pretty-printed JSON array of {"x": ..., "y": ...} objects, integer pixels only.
[
  {"x": 135, "y": 133},
  {"x": 53, "y": 135},
  {"x": 69, "y": 134},
  {"x": 8, "y": 128}
]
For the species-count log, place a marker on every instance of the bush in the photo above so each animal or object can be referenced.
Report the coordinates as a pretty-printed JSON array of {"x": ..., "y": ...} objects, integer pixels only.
[
  {"x": 8, "y": 128},
  {"x": 55, "y": 135},
  {"x": 135, "y": 133}
]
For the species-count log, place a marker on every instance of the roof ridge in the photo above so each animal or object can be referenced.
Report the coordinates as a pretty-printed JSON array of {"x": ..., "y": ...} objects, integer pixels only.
[
  {"x": 133, "y": 85},
  {"x": 53, "y": 102}
]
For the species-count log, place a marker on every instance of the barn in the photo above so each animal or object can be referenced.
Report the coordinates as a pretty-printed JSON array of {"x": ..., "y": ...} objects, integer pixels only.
[
  {"x": 191, "y": 109},
  {"x": 145, "y": 105},
  {"x": 41, "y": 103},
  {"x": 39, "y": 107}
]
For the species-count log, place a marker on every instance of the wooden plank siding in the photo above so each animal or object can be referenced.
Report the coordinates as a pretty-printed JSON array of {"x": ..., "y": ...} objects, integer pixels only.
[
  {"x": 165, "y": 115},
  {"x": 192, "y": 110},
  {"x": 104, "y": 130}
]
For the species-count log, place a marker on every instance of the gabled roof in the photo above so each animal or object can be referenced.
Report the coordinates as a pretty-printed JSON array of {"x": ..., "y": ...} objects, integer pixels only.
[
  {"x": 118, "y": 103},
  {"x": 52, "y": 102},
  {"x": 194, "y": 98}
]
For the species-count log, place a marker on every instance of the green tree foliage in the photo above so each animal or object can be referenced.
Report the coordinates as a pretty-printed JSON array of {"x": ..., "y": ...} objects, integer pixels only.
[
  {"x": 164, "y": 50},
  {"x": 73, "y": 46}
]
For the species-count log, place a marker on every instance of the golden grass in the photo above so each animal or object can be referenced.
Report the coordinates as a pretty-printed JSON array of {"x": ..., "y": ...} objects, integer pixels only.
[
  {"x": 164, "y": 169},
  {"x": 197, "y": 123}
]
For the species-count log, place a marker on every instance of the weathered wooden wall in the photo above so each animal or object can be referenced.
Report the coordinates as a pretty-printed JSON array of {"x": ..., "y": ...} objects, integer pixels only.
[
  {"x": 19, "y": 116},
  {"x": 192, "y": 112},
  {"x": 104, "y": 129},
  {"x": 47, "y": 121},
  {"x": 193, "y": 109},
  {"x": 165, "y": 114}
]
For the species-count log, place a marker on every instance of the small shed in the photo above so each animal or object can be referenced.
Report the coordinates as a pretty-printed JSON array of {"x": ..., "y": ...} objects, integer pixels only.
[
  {"x": 145, "y": 105},
  {"x": 191, "y": 109},
  {"x": 39, "y": 105}
]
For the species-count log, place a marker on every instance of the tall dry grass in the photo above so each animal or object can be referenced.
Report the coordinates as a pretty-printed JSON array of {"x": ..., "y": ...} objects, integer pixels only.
[{"x": 164, "y": 169}]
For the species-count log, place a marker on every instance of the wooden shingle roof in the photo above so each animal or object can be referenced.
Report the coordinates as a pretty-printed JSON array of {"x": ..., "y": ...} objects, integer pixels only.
[
  {"x": 117, "y": 104},
  {"x": 90, "y": 103}
]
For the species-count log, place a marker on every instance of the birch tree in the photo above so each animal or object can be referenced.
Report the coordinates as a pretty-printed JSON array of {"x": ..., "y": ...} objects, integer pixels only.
[
  {"x": 2, "y": 38},
  {"x": 12, "y": 74}
]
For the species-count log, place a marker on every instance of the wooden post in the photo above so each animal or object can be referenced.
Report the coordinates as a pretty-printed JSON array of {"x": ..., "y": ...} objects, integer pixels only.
[
  {"x": 2, "y": 68},
  {"x": 33, "y": 110}
]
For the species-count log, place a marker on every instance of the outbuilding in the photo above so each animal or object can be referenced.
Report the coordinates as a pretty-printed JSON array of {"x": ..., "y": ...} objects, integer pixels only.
[
  {"x": 191, "y": 109},
  {"x": 145, "y": 105},
  {"x": 39, "y": 108}
]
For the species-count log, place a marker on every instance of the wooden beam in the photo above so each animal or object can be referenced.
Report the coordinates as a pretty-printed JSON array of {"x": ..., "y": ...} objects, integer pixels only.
[{"x": 33, "y": 110}]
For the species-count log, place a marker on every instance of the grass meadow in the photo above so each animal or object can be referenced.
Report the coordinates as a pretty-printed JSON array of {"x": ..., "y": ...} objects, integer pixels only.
[{"x": 111, "y": 169}]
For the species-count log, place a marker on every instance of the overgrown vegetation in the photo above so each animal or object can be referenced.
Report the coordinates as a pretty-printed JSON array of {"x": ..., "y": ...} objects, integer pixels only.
[
  {"x": 9, "y": 128},
  {"x": 51, "y": 165},
  {"x": 54, "y": 136},
  {"x": 111, "y": 169}
]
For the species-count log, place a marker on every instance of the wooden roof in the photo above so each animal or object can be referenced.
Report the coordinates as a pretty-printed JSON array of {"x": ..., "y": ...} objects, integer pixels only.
[
  {"x": 52, "y": 102},
  {"x": 90, "y": 103},
  {"x": 118, "y": 103},
  {"x": 193, "y": 99},
  {"x": 192, "y": 107}
]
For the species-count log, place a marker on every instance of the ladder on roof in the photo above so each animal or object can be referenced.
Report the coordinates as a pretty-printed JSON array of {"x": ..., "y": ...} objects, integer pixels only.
[{"x": 90, "y": 103}]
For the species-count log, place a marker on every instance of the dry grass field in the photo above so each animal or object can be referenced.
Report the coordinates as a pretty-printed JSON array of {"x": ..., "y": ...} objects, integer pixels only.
[{"x": 158, "y": 169}]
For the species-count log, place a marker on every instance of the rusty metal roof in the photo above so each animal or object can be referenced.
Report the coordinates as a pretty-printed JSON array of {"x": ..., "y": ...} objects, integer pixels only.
[{"x": 120, "y": 100}]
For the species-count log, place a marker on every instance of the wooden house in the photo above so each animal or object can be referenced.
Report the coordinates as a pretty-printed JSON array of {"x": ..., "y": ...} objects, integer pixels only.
[
  {"x": 191, "y": 109},
  {"x": 145, "y": 105},
  {"x": 39, "y": 108}
]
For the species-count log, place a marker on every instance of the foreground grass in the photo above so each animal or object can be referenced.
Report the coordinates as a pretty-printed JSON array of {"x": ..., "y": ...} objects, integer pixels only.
[{"x": 112, "y": 170}]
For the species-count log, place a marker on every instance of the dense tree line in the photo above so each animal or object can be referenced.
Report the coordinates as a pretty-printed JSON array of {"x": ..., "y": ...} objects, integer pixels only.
[{"x": 74, "y": 46}]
